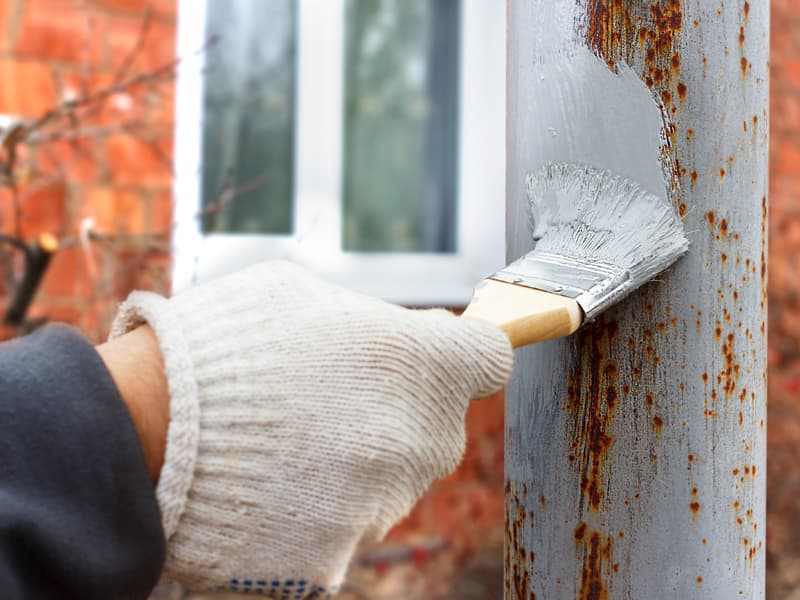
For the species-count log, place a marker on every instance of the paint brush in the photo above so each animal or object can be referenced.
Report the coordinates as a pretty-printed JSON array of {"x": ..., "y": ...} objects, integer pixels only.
[{"x": 598, "y": 235}]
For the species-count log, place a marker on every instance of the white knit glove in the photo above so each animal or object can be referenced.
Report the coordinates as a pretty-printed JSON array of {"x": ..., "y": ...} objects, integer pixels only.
[{"x": 304, "y": 417}]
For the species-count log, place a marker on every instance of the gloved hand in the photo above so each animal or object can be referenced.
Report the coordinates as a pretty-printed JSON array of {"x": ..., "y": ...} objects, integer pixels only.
[{"x": 303, "y": 418}]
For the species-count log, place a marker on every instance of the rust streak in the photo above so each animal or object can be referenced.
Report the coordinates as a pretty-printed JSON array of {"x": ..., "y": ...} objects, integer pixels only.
[
  {"x": 517, "y": 577},
  {"x": 592, "y": 397},
  {"x": 597, "y": 555}
]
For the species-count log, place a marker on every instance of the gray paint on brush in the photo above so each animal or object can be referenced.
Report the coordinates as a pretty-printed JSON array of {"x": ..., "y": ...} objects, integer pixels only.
[{"x": 635, "y": 450}]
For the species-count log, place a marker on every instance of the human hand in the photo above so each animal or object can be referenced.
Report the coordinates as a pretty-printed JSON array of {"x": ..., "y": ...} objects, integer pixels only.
[{"x": 303, "y": 418}]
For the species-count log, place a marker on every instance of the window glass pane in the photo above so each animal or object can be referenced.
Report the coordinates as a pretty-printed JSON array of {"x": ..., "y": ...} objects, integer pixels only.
[
  {"x": 248, "y": 104},
  {"x": 401, "y": 99}
]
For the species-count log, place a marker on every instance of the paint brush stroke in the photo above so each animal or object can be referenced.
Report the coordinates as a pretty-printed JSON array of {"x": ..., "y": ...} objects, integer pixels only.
[{"x": 586, "y": 113}]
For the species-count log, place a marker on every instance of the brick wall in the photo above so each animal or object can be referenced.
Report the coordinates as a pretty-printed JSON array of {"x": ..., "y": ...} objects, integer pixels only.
[
  {"x": 783, "y": 436},
  {"x": 56, "y": 50}
]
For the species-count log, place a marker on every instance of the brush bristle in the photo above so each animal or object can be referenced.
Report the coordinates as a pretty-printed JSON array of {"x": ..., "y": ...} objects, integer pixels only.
[{"x": 594, "y": 216}]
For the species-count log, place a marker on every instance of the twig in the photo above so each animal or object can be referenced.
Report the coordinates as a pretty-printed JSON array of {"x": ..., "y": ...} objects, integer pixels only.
[
  {"x": 228, "y": 193},
  {"x": 137, "y": 47},
  {"x": 86, "y": 67},
  {"x": 58, "y": 135}
]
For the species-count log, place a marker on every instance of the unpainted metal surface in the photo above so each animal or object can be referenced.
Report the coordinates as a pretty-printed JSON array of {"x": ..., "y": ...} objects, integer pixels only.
[{"x": 635, "y": 450}]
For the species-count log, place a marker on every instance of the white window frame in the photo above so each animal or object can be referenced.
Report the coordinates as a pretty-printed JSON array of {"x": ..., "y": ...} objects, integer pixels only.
[{"x": 413, "y": 279}]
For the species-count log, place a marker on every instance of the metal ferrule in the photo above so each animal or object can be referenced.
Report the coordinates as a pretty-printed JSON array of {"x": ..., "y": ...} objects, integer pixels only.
[{"x": 595, "y": 286}]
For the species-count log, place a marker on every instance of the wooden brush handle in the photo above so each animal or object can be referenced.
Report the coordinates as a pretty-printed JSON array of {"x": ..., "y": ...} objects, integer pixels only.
[{"x": 526, "y": 315}]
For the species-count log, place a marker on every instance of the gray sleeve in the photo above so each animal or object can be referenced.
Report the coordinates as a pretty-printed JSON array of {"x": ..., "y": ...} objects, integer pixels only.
[{"x": 78, "y": 515}]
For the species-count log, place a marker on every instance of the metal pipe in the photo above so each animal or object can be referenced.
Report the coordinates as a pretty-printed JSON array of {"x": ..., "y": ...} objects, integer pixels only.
[{"x": 635, "y": 450}]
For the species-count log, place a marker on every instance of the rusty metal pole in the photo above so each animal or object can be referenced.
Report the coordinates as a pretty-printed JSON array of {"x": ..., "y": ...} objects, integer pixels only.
[{"x": 635, "y": 451}]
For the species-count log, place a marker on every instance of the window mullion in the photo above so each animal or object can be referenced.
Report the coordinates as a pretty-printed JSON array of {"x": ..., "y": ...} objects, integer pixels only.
[
  {"x": 318, "y": 127},
  {"x": 187, "y": 238}
]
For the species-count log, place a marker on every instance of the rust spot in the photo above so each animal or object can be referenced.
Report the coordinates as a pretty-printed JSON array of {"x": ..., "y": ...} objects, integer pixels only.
[
  {"x": 689, "y": 133},
  {"x": 744, "y": 126},
  {"x": 542, "y": 501},
  {"x": 649, "y": 399},
  {"x": 658, "y": 423},
  {"x": 704, "y": 541},
  {"x": 741, "y": 37},
  {"x": 723, "y": 227},
  {"x": 699, "y": 580},
  {"x": 741, "y": 418},
  {"x": 710, "y": 217},
  {"x": 681, "y": 90},
  {"x": 746, "y": 10},
  {"x": 580, "y": 532},
  {"x": 696, "y": 23},
  {"x": 695, "y": 508},
  {"x": 721, "y": 173},
  {"x": 704, "y": 377},
  {"x": 571, "y": 458},
  {"x": 691, "y": 458},
  {"x": 666, "y": 96},
  {"x": 724, "y": 258},
  {"x": 743, "y": 65},
  {"x": 676, "y": 61}
]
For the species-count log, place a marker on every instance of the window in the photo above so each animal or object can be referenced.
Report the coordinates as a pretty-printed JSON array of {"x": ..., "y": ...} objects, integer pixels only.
[{"x": 362, "y": 138}]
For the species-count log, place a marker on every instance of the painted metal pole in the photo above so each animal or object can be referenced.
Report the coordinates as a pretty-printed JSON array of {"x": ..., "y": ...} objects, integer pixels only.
[{"x": 635, "y": 451}]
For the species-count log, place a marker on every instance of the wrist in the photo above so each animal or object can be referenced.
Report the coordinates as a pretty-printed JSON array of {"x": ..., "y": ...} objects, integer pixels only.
[{"x": 137, "y": 367}]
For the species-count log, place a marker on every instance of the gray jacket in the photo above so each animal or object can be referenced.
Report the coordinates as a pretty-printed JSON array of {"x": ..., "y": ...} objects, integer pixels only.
[{"x": 78, "y": 515}]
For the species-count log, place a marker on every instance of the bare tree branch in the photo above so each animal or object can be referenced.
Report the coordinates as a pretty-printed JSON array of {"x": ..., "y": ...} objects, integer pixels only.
[{"x": 127, "y": 62}]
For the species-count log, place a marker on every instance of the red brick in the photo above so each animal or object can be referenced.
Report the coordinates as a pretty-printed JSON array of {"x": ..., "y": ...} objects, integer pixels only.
[
  {"x": 28, "y": 87},
  {"x": 157, "y": 50},
  {"x": 43, "y": 207},
  {"x": 132, "y": 161},
  {"x": 58, "y": 312},
  {"x": 62, "y": 30},
  {"x": 791, "y": 70},
  {"x": 161, "y": 8},
  {"x": 785, "y": 155},
  {"x": 485, "y": 417},
  {"x": 66, "y": 274},
  {"x": 161, "y": 212},
  {"x": 5, "y": 33},
  {"x": 114, "y": 210},
  {"x": 76, "y": 161}
]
